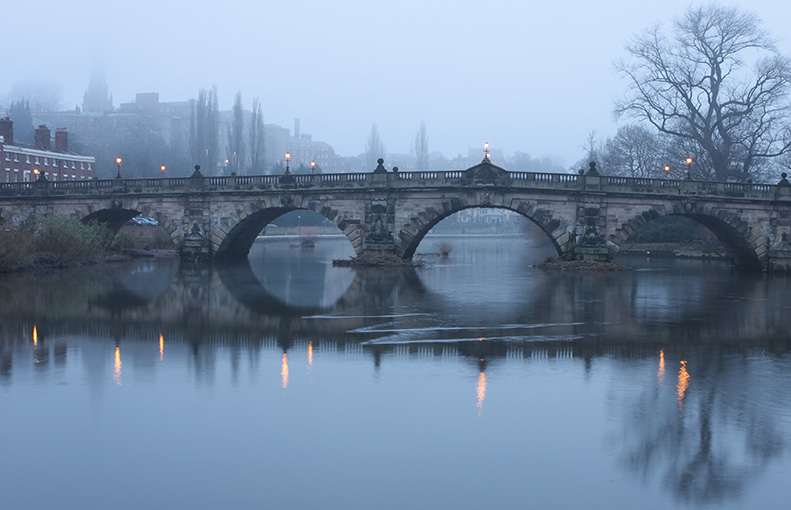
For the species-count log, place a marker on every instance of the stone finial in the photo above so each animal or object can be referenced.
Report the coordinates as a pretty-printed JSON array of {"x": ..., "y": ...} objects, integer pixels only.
[
  {"x": 380, "y": 168},
  {"x": 197, "y": 173},
  {"x": 592, "y": 170},
  {"x": 783, "y": 180}
]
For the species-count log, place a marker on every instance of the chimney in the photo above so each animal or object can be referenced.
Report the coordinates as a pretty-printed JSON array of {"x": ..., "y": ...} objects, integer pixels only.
[
  {"x": 7, "y": 130},
  {"x": 41, "y": 137},
  {"x": 61, "y": 140}
]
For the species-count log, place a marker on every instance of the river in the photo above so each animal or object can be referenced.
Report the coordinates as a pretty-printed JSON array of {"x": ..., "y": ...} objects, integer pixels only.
[{"x": 475, "y": 381}]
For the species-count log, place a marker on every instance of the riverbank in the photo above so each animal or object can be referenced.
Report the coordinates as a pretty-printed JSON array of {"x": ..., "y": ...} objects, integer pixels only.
[{"x": 55, "y": 242}]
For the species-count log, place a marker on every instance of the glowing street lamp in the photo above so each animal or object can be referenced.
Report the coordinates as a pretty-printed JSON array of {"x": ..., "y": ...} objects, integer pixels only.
[
  {"x": 313, "y": 167},
  {"x": 118, "y": 162},
  {"x": 689, "y": 167},
  {"x": 667, "y": 171},
  {"x": 162, "y": 168},
  {"x": 486, "y": 153},
  {"x": 288, "y": 158}
]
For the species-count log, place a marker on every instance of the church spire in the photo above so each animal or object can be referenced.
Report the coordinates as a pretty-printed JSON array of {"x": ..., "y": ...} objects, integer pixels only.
[{"x": 97, "y": 98}]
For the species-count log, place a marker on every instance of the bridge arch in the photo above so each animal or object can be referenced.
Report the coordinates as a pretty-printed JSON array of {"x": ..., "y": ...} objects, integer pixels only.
[
  {"x": 558, "y": 229},
  {"x": 116, "y": 213},
  {"x": 235, "y": 237},
  {"x": 735, "y": 232}
]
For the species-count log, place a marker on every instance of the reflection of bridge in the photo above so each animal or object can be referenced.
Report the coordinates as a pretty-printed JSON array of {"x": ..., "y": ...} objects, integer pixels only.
[
  {"x": 585, "y": 216},
  {"x": 563, "y": 312}
]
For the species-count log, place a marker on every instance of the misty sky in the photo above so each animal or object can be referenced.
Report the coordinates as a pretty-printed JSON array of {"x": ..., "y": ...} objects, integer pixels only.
[{"x": 522, "y": 75}]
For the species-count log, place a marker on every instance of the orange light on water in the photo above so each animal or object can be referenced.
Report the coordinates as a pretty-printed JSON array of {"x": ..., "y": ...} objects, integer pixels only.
[
  {"x": 284, "y": 370},
  {"x": 660, "y": 375},
  {"x": 161, "y": 347},
  {"x": 35, "y": 336},
  {"x": 481, "y": 391},
  {"x": 310, "y": 354},
  {"x": 683, "y": 384},
  {"x": 117, "y": 366}
]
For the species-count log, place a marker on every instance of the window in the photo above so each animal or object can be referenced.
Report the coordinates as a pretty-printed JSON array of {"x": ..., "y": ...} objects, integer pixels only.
[
  {"x": 37, "y": 162},
  {"x": 73, "y": 177},
  {"x": 16, "y": 158},
  {"x": 7, "y": 175},
  {"x": 74, "y": 164},
  {"x": 26, "y": 176},
  {"x": 27, "y": 158},
  {"x": 8, "y": 156},
  {"x": 46, "y": 161},
  {"x": 16, "y": 175},
  {"x": 82, "y": 166}
]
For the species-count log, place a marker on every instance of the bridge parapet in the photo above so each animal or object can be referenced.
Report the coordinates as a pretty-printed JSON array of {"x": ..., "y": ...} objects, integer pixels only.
[{"x": 401, "y": 180}]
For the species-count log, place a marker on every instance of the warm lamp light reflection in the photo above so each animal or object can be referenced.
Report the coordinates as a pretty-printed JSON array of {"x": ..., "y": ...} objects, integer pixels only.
[
  {"x": 284, "y": 370},
  {"x": 161, "y": 347},
  {"x": 117, "y": 366},
  {"x": 683, "y": 384},
  {"x": 35, "y": 336},
  {"x": 660, "y": 375},
  {"x": 310, "y": 354},
  {"x": 481, "y": 390}
]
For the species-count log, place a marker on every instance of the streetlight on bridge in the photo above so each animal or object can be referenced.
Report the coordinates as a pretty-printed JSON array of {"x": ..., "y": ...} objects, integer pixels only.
[
  {"x": 288, "y": 158},
  {"x": 486, "y": 153},
  {"x": 689, "y": 168},
  {"x": 313, "y": 167},
  {"x": 118, "y": 162},
  {"x": 162, "y": 168}
]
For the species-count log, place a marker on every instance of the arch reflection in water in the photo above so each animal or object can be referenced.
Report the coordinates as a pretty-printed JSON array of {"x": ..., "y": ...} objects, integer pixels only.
[{"x": 302, "y": 278}]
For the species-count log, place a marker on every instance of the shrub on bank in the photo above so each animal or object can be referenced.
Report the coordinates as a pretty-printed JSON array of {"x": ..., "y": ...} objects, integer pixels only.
[
  {"x": 65, "y": 241},
  {"x": 16, "y": 249},
  {"x": 53, "y": 240}
]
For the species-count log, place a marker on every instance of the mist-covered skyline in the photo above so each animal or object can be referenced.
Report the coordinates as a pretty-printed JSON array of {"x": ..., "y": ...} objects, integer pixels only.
[{"x": 524, "y": 77}]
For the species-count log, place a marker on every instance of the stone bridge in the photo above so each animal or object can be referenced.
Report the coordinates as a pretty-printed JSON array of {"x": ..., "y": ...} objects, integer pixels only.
[{"x": 586, "y": 216}]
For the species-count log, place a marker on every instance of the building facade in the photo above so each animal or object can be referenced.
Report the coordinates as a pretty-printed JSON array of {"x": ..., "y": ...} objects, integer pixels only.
[{"x": 24, "y": 163}]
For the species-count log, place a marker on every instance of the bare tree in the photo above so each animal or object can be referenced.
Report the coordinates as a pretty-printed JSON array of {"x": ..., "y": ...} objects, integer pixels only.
[
  {"x": 204, "y": 140},
  {"x": 256, "y": 138},
  {"x": 635, "y": 151},
  {"x": 421, "y": 148},
  {"x": 235, "y": 154},
  {"x": 43, "y": 95},
  {"x": 697, "y": 86},
  {"x": 594, "y": 152},
  {"x": 374, "y": 148}
]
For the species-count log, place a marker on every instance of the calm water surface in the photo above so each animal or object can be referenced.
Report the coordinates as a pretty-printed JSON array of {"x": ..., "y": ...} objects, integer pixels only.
[{"x": 477, "y": 381}]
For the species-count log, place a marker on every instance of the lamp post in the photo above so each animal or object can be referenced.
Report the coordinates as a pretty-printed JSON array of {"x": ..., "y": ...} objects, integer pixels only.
[
  {"x": 118, "y": 162},
  {"x": 667, "y": 170},
  {"x": 162, "y": 168},
  {"x": 288, "y": 157},
  {"x": 486, "y": 153},
  {"x": 689, "y": 168},
  {"x": 313, "y": 167}
]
